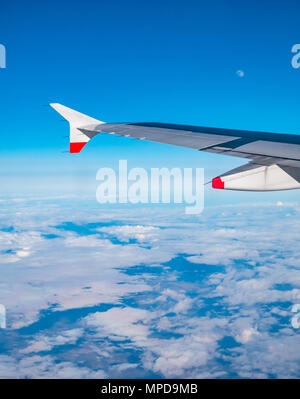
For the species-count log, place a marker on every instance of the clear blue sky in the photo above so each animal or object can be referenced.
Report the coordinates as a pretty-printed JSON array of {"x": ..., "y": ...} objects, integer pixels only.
[{"x": 168, "y": 61}]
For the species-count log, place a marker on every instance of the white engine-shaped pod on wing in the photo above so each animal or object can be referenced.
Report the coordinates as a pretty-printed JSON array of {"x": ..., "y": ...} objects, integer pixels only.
[{"x": 253, "y": 177}]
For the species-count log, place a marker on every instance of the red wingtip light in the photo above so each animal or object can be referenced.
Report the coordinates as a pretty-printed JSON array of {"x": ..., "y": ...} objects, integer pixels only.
[{"x": 217, "y": 183}]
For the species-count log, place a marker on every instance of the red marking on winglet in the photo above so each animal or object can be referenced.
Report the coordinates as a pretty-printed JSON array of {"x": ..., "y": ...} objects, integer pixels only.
[
  {"x": 76, "y": 147},
  {"x": 217, "y": 183}
]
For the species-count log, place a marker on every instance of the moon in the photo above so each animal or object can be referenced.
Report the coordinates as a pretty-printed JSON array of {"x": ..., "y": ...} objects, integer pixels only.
[{"x": 240, "y": 73}]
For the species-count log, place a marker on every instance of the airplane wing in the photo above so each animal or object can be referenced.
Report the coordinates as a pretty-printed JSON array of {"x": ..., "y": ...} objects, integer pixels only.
[{"x": 274, "y": 158}]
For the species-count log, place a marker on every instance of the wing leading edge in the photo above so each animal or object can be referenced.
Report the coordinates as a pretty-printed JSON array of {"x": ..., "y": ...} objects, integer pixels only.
[{"x": 274, "y": 158}]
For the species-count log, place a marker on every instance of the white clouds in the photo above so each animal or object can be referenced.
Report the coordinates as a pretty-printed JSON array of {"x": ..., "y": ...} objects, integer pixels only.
[
  {"x": 23, "y": 253},
  {"x": 183, "y": 303},
  {"x": 44, "y": 367},
  {"x": 268, "y": 355},
  {"x": 182, "y": 354},
  {"x": 88, "y": 242},
  {"x": 46, "y": 343},
  {"x": 17, "y": 245},
  {"x": 164, "y": 319},
  {"x": 121, "y": 323},
  {"x": 140, "y": 233},
  {"x": 125, "y": 366},
  {"x": 170, "y": 357},
  {"x": 246, "y": 335}
]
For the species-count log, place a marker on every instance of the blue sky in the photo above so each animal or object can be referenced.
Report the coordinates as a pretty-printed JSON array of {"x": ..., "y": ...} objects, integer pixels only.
[{"x": 168, "y": 61}]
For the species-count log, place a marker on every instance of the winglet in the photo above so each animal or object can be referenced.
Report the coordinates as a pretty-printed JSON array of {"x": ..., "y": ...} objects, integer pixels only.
[{"x": 82, "y": 127}]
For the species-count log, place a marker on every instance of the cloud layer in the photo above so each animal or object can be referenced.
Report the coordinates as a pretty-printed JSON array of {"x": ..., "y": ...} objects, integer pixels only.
[{"x": 94, "y": 292}]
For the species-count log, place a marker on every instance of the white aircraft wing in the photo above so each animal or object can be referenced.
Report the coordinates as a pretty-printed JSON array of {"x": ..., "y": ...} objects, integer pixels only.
[{"x": 274, "y": 158}]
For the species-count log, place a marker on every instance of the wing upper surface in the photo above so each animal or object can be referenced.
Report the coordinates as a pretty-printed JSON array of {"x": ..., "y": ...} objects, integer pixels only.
[{"x": 260, "y": 147}]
